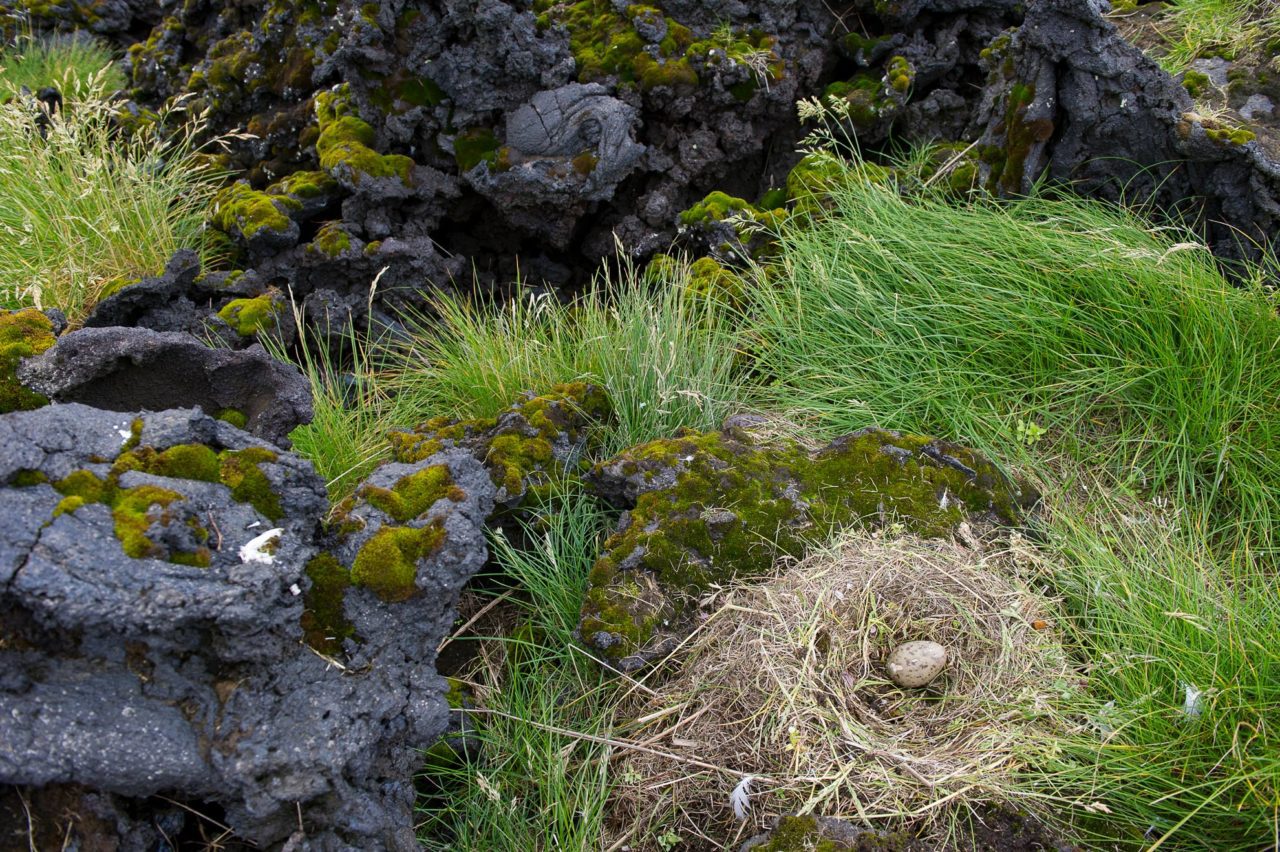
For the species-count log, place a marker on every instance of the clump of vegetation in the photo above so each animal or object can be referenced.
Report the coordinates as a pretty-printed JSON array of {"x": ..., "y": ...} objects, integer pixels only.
[
  {"x": 78, "y": 65},
  {"x": 660, "y": 356},
  {"x": 85, "y": 207},
  {"x": 22, "y": 334},
  {"x": 1128, "y": 343},
  {"x": 540, "y": 710},
  {"x": 1194, "y": 29}
]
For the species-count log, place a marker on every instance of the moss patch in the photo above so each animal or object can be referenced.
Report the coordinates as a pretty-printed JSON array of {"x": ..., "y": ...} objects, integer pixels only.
[
  {"x": 345, "y": 145},
  {"x": 519, "y": 447},
  {"x": 324, "y": 622},
  {"x": 242, "y": 211},
  {"x": 22, "y": 334},
  {"x": 387, "y": 564},
  {"x": 331, "y": 240},
  {"x": 252, "y": 316},
  {"x": 411, "y": 496}
]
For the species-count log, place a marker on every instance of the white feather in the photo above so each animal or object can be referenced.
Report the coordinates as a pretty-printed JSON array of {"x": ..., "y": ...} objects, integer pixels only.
[
  {"x": 253, "y": 549},
  {"x": 740, "y": 798}
]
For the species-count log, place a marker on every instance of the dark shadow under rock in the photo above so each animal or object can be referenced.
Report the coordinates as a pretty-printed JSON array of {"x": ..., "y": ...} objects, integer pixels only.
[{"x": 133, "y": 369}]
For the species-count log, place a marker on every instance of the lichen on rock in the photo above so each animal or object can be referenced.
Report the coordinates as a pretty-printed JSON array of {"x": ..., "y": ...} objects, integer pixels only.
[{"x": 706, "y": 508}]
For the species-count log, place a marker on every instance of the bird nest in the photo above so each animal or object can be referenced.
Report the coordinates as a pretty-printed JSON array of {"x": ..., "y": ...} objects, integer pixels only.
[{"x": 781, "y": 703}]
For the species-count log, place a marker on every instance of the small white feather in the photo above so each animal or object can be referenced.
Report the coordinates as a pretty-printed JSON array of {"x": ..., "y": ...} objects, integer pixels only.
[
  {"x": 740, "y": 798},
  {"x": 252, "y": 551}
]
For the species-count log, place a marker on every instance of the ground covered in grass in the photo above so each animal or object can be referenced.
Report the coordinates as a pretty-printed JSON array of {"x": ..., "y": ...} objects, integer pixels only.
[
  {"x": 1113, "y": 667},
  {"x": 1116, "y": 669}
]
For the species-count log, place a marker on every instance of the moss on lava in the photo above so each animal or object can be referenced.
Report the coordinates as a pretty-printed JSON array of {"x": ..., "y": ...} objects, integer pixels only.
[
  {"x": 387, "y": 563},
  {"x": 22, "y": 334},
  {"x": 518, "y": 446},
  {"x": 331, "y": 240},
  {"x": 324, "y": 622},
  {"x": 253, "y": 315},
  {"x": 411, "y": 496},
  {"x": 240, "y": 210},
  {"x": 345, "y": 144}
]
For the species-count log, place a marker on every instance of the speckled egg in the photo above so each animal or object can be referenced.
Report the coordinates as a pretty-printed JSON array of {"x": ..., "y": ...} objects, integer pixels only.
[{"x": 914, "y": 664}]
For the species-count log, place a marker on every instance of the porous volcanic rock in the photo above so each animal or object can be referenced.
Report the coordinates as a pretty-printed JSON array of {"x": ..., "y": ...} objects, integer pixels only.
[
  {"x": 131, "y": 369},
  {"x": 157, "y": 580},
  {"x": 1068, "y": 97},
  {"x": 706, "y": 508}
]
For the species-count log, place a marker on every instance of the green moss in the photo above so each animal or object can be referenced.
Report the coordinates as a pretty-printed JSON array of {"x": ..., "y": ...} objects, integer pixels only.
[
  {"x": 387, "y": 564},
  {"x": 331, "y": 240},
  {"x": 1230, "y": 135},
  {"x": 900, "y": 74},
  {"x": 22, "y": 334},
  {"x": 240, "y": 471},
  {"x": 735, "y": 507},
  {"x": 306, "y": 185},
  {"x": 411, "y": 496},
  {"x": 236, "y": 418},
  {"x": 324, "y": 622},
  {"x": 716, "y": 207},
  {"x": 27, "y": 479},
  {"x": 1195, "y": 82},
  {"x": 472, "y": 147},
  {"x": 345, "y": 143},
  {"x": 68, "y": 505},
  {"x": 84, "y": 485},
  {"x": 134, "y": 511},
  {"x": 711, "y": 281},
  {"x": 799, "y": 834},
  {"x": 862, "y": 48},
  {"x": 605, "y": 44},
  {"x": 251, "y": 316},
  {"x": 184, "y": 461},
  {"x": 241, "y": 211},
  {"x": 518, "y": 454},
  {"x": 860, "y": 98},
  {"x": 1021, "y": 135}
]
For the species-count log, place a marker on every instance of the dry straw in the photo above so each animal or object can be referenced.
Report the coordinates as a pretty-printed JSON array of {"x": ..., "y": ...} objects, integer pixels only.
[{"x": 785, "y": 684}]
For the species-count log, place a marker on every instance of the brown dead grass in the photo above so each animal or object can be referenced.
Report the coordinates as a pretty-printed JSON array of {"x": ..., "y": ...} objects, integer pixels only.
[{"x": 785, "y": 682}]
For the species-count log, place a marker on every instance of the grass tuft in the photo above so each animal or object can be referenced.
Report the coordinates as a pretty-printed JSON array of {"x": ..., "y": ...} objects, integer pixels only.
[
  {"x": 663, "y": 357},
  {"x": 77, "y": 64},
  {"x": 86, "y": 208},
  {"x": 1124, "y": 342}
]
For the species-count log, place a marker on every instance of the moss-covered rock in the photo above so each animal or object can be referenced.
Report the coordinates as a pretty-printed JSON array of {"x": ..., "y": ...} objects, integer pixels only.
[
  {"x": 527, "y": 447},
  {"x": 345, "y": 144},
  {"x": 252, "y": 316},
  {"x": 706, "y": 508},
  {"x": 140, "y": 510},
  {"x": 252, "y": 217},
  {"x": 22, "y": 334}
]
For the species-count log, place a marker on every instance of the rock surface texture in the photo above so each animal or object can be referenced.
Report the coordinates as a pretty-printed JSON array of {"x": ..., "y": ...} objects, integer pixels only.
[
  {"x": 158, "y": 576},
  {"x": 132, "y": 369}
]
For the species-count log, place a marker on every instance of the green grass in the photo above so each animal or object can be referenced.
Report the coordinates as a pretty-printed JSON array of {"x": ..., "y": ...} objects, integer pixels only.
[
  {"x": 76, "y": 64},
  {"x": 86, "y": 209},
  {"x": 345, "y": 438},
  {"x": 533, "y": 786},
  {"x": 1193, "y": 29},
  {"x": 1155, "y": 613},
  {"x": 1125, "y": 342},
  {"x": 661, "y": 355}
]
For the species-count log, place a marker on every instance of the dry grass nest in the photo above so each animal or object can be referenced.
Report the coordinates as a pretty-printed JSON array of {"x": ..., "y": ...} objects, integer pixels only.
[{"x": 784, "y": 683}]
